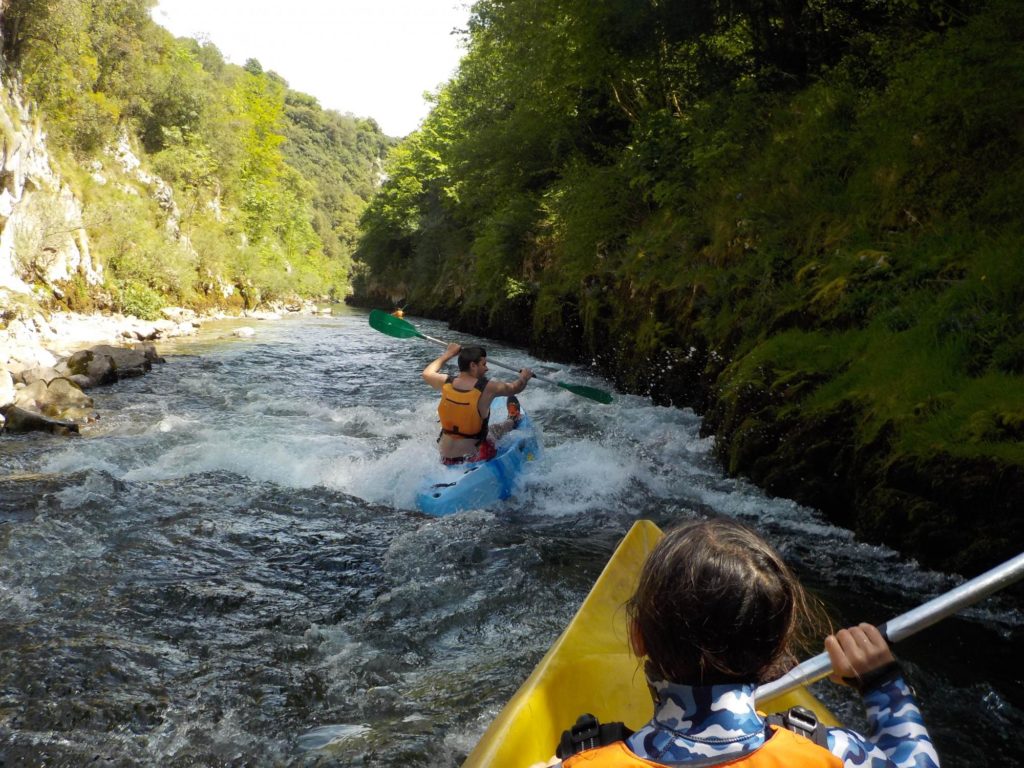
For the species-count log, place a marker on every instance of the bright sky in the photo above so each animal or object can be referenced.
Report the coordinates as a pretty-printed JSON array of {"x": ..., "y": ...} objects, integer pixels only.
[{"x": 373, "y": 58}]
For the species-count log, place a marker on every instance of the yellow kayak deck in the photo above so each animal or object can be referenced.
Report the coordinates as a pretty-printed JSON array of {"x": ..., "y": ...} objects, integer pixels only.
[{"x": 590, "y": 669}]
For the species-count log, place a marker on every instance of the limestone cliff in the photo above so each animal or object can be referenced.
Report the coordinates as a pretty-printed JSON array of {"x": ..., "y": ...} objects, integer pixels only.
[{"x": 42, "y": 235}]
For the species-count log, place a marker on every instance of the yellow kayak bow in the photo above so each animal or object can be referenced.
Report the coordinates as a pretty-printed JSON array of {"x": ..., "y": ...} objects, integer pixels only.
[{"x": 590, "y": 669}]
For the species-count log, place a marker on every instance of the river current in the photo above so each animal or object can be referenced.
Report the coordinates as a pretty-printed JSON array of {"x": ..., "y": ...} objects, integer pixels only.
[{"x": 228, "y": 569}]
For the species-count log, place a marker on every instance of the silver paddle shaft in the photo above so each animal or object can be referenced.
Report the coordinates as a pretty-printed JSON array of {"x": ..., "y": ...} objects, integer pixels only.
[{"x": 905, "y": 625}]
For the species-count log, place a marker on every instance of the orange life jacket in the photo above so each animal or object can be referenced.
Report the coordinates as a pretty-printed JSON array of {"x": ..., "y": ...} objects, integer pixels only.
[
  {"x": 460, "y": 411},
  {"x": 784, "y": 749}
]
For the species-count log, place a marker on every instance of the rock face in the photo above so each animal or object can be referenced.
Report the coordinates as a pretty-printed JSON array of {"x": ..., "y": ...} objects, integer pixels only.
[
  {"x": 42, "y": 237},
  {"x": 161, "y": 190},
  {"x": 43, "y": 240}
]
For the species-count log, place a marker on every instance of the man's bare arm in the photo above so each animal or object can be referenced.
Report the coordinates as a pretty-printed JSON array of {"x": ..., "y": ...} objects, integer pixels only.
[{"x": 432, "y": 373}]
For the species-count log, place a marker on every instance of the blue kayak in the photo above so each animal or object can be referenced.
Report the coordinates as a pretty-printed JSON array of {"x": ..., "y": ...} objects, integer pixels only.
[{"x": 480, "y": 483}]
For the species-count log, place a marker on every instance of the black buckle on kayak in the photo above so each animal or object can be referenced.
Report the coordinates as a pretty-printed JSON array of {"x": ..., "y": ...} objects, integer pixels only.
[
  {"x": 585, "y": 734},
  {"x": 589, "y": 733}
]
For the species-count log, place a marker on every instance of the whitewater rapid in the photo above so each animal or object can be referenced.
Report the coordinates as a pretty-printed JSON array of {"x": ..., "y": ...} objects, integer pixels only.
[{"x": 228, "y": 567}]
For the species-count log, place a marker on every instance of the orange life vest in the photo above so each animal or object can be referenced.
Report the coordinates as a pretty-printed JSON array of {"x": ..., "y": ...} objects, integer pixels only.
[
  {"x": 460, "y": 411},
  {"x": 784, "y": 749}
]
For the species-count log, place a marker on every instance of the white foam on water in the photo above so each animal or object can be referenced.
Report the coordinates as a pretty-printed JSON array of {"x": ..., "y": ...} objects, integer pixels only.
[
  {"x": 628, "y": 449},
  {"x": 357, "y": 449},
  {"x": 404, "y": 454},
  {"x": 378, "y": 443},
  {"x": 296, "y": 460},
  {"x": 577, "y": 475},
  {"x": 174, "y": 423},
  {"x": 392, "y": 478},
  {"x": 71, "y": 460}
]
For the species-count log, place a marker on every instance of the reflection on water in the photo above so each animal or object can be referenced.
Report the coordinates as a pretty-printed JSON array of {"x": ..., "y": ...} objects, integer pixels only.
[{"x": 227, "y": 568}]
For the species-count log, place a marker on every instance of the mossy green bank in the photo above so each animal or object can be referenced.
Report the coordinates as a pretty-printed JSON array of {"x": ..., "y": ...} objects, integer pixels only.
[{"x": 825, "y": 259}]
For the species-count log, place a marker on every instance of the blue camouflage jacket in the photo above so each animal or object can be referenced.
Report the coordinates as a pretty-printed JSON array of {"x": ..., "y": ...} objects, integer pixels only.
[{"x": 693, "y": 724}]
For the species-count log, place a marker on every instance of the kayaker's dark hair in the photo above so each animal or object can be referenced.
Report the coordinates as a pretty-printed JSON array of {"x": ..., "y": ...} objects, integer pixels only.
[
  {"x": 716, "y": 604},
  {"x": 470, "y": 355}
]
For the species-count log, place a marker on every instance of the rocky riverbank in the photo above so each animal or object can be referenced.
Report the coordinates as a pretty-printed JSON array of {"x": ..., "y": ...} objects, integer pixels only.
[{"x": 49, "y": 362}]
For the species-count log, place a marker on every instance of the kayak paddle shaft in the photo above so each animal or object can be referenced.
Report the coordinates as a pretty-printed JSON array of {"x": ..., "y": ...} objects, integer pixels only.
[
  {"x": 399, "y": 328},
  {"x": 906, "y": 624},
  {"x": 492, "y": 361}
]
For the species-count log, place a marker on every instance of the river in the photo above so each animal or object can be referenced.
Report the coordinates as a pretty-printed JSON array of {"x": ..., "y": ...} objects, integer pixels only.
[{"x": 227, "y": 569}]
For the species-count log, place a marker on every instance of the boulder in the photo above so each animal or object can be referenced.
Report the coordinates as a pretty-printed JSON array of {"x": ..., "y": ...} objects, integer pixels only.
[
  {"x": 82, "y": 381},
  {"x": 17, "y": 419},
  {"x": 178, "y": 314},
  {"x": 149, "y": 331},
  {"x": 95, "y": 369},
  {"x": 149, "y": 352},
  {"x": 245, "y": 332},
  {"x": 142, "y": 333},
  {"x": 184, "y": 328},
  {"x": 30, "y": 375},
  {"x": 127, "y": 362},
  {"x": 21, "y": 357},
  {"x": 60, "y": 399},
  {"x": 6, "y": 386}
]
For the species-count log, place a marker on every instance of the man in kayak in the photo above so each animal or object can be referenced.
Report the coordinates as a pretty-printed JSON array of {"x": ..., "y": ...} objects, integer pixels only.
[{"x": 465, "y": 406}]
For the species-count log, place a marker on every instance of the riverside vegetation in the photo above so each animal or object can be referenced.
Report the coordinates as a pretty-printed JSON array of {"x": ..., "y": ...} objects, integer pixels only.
[
  {"x": 800, "y": 218},
  {"x": 249, "y": 192}
]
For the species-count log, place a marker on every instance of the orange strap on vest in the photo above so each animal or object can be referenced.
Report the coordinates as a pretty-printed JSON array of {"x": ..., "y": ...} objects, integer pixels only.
[
  {"x": 784, "y": 749},
  {"x": 460, "y": 411}
]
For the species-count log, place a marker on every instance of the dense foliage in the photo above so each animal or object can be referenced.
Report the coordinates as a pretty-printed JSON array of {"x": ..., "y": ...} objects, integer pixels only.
[
  {"x": 268, "y": 186},
  {"x": 797, "y": 215}
]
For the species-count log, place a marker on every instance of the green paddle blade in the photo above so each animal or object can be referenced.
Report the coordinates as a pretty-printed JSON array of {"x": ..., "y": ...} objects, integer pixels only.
[
  {"x": 597, "y": 395},
  {"x": 393, "y": 326}
]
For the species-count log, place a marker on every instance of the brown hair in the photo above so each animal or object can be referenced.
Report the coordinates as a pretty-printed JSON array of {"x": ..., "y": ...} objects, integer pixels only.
[
  {"x": 716, "y": 604},
  {"x": 470, "y": 355}
]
